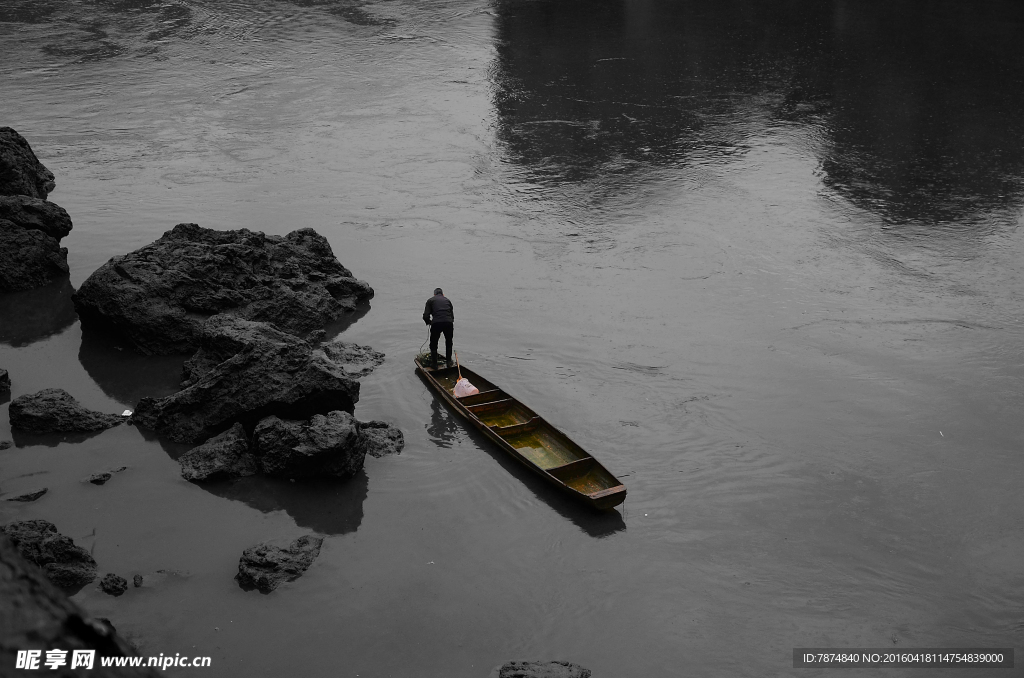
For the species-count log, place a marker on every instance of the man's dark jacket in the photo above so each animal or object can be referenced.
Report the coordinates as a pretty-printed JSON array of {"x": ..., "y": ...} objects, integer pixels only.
[{"x": 438, "y": 310}]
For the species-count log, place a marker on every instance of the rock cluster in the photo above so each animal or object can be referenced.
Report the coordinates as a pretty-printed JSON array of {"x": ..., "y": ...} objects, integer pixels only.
[
  {"x": 37, "y": 615},
  {"x": 265, "y": 567},
  {"x": 53, "y": 410},
  {"x": 534, "y": 669},
  {"x": 66, "y": 565},
  {"x": 30, "y": 227},
  {"x": 325, "y": 446},
  {"x": 243, "y": 372},
  {"x": 158, "y": 297}
]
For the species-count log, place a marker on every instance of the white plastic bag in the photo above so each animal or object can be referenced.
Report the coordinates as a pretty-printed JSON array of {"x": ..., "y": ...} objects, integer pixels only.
[{"x": 463, "y": 388}]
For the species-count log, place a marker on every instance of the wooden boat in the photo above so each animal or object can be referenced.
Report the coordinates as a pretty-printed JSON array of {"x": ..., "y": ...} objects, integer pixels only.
[{"x": 518, "y": 430}]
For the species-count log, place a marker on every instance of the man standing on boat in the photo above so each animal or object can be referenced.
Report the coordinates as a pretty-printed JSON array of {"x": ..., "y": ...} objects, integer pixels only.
[{"x": 440, "y": 315}]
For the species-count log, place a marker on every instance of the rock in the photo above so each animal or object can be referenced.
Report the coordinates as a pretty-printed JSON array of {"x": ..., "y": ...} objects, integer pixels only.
[
  {"x": 540, "y": 670},
  {"x": 357, "y": 361},
  {"x": 381, "y": 438},
  {"x": 31, "y": 495},
  {"x": 4, "y": 444},
  {"x": 35, "y": 214},
  {"x": 329, "y": 445},
  {"x": 21, "y": 173},
  {"x": 159, "y": 296},
  {"x": 5, "y": 381},
  {"x": 265, "y": 566},
  {"x": 245, "y": 371},
  {"x": 224, "y": 456},
  {"x": 37, "y": 615},
  {"x": 137, "y": 580},
  {"x": 39, "y": 542},
  {"x": 104, "y": 476},
  {"x": 53, "y": 409},
  {"x": 29, "y": 258},
  {"x": 113, "y": 584}
]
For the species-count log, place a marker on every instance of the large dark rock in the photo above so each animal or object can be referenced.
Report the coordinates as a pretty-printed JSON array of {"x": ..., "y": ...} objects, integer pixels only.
[
  {"x": 329, "y": 445},
  {"x": 54, "y": 410},
  {"x": 21, "y": 173},
  {"x": 224, "y": 456},
  {"x": 29, "y": 258},
  {"x": 35, "y": 214},
  {"x": 243, "y": 372},
  {"x": 36, "y": 615},
  {"x": 39, "y": 542},
  {"x": 540, "y": 670},
  {"x": 159, "y": 296},
  {"x": 265, "y": 566}
]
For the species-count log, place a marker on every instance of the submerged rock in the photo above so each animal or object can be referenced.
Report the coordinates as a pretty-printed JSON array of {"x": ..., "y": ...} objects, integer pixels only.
[
  {"x": 103, "y": 476},
  {"x": 4, "y": 444},
  {"x": 31, "y": 495},
  {"x": 137, "y": 580},
  {"x": 36, "y": 614},
  {"x": 29, "y": 258},
  {"x": 36, "y": 214},
  {"x": 5, "y": 380},
  {"x": 21, "y": 173},
  {"x": 54, "y": 410},
  {"x": 224, "y": 456},
  {"x": 381, "y": 438},
  {"x": 159, "y": 296},
  {"x": 357, "y": 361},
  {"x": 265, "y": 566},
  {"x": 39, "y": 542},
  {"x": 113, "y": 584},
  {"x": 540, "y": 670},
  {"x": 243, "y": 372},
  {"x": 329, "y": 445}
]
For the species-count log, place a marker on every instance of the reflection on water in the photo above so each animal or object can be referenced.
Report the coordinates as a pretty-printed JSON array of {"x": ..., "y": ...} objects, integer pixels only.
[
  {"x": 27, "y": 317},
  {"x": 346, "y": 321},
  {"x": 913, "y": 108},
  {"x": 324, "y": 506},
  {"x": 123, "y": 374},
  {"x": 443, "y": 427},
  {"x": 24, "y": 439}
]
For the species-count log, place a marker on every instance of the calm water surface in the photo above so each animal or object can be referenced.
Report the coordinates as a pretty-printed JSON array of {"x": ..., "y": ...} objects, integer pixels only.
[{"x": 763, "y": 259}]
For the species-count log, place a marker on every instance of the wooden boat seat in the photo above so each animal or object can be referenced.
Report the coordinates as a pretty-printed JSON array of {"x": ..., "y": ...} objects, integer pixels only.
[
  {"x": 573, "y": 469},
  {"x": 516, "y": 429},
  {"x": 489, "y": 406},
  {"x": 484, "y": 397}
]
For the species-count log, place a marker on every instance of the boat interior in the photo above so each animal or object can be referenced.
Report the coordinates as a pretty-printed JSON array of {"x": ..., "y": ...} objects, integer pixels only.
[{"x": 532, "y": 437}]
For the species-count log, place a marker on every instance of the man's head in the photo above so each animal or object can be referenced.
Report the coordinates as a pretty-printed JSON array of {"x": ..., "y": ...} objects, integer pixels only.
[{"x": 437, "y": 291}]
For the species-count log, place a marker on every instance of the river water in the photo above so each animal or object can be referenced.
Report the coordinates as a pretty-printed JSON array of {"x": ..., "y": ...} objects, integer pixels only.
[{"x": 763, "y": 259}]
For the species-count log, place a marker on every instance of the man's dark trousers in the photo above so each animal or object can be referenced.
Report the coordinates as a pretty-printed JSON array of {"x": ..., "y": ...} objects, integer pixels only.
[{"x": 436, "y": 330}]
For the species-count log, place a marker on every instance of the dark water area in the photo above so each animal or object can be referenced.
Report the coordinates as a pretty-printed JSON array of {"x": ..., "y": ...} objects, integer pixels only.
[{"x": 761, "y": 259}]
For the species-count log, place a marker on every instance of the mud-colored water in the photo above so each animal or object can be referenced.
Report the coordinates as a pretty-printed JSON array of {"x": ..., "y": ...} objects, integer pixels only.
[{"x": 762, "y": 259}]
